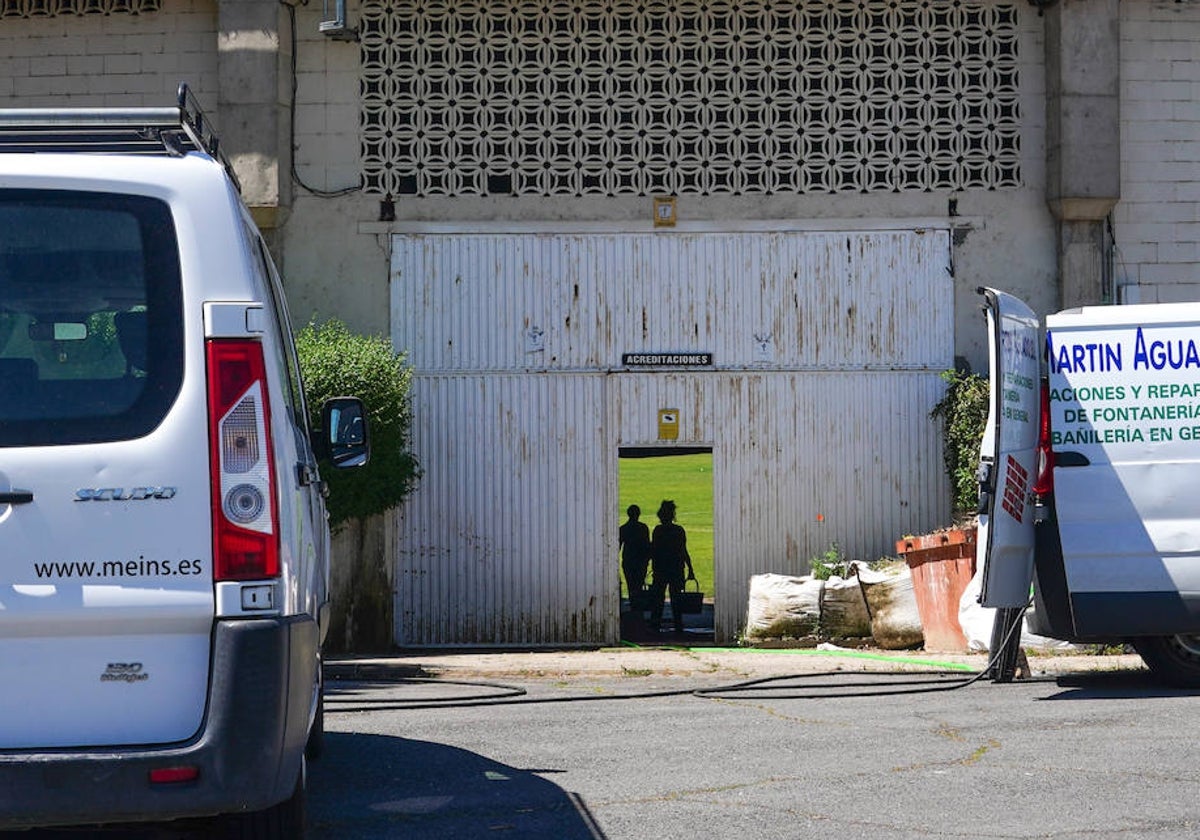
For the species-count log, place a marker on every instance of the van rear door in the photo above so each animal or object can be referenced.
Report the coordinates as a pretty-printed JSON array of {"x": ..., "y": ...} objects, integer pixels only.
[
  {"x": 1008, "y": 453},
  {"x": 106, "y": 590},
  {"x": 1125, "y": 430}
]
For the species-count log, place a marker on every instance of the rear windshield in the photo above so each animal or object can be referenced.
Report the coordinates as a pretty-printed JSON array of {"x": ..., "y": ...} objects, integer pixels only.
[{"x": 91, "y": 345}]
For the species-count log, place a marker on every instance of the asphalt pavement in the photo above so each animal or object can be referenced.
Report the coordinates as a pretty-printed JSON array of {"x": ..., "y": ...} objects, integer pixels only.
[
  {"x": 432, "y": 744},
  {"x": 676, "y": 743}
]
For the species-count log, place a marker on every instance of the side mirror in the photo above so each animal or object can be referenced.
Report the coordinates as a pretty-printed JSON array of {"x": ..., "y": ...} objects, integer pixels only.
[{"x": 344, "y": 438}]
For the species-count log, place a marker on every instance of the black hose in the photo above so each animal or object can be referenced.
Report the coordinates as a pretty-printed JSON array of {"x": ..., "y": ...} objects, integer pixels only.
[{"x": 507, "y": 695}]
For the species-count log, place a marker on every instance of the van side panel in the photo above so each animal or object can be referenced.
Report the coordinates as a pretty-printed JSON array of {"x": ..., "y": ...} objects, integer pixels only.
[{"x": 1125, "y": 419}]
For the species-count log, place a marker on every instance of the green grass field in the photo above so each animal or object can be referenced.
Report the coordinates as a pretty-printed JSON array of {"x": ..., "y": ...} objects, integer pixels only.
[{"x": 687, "y": 479}]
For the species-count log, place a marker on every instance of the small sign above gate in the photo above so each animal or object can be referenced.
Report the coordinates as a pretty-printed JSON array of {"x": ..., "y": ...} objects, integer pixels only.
[{"x": 667, "y": 359}]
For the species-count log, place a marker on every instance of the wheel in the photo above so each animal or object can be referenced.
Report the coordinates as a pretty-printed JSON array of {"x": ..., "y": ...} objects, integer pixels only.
[
  {"x": 284, "y": 821},
  {"x": 1173, "y": 659}
]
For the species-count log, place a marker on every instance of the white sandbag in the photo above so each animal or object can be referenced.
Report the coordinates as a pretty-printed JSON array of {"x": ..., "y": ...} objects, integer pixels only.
[
  {"x": 784, "y": 607},
  {"x": 895, "y": 621},
  {"x": 844, "y": 612},
  {"x": 976, "y": 622}
]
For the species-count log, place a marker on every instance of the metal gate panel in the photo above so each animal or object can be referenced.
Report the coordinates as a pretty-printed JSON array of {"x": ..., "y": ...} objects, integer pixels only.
[
  {"x": 827, "y": 348},
  {"x": 776, "y": 300},
  {"x": 499, "y": 545}
]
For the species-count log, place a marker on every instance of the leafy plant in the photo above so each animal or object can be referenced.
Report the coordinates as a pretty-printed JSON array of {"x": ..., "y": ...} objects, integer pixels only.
[
  {"x": 336, "y": 362},
  {"x": 832, "y": 562},
  {"x": 963, "y": 412}
]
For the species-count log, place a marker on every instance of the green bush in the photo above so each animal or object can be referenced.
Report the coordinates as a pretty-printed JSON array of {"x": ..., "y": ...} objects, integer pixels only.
[
  {"x": 963, "y": 412},
  {"x": 338, "y": 363},
  {"x": 831, "y": 562}
]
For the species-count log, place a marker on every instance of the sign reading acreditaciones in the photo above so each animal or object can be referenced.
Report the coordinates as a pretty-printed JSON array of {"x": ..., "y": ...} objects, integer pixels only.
[{"x": 667, "y": 359}]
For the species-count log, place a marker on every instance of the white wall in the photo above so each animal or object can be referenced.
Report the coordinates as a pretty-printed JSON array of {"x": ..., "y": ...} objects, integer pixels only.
[{"x": 1157, "y": 222}]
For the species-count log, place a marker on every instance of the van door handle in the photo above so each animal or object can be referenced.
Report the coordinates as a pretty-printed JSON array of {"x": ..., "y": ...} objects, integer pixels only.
[
  {"x": 305, "y": 474},
  {"x": 987, "y": 485},
  {"x": 1071, "y": 459},
  {"x": 16, "y": 497}
]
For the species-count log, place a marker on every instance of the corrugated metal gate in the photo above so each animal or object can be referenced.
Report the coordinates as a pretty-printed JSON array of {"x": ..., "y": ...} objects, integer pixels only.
[{"x": 826, "y": 352}]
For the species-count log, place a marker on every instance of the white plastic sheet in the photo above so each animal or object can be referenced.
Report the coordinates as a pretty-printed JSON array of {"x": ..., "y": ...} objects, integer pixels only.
[{"x": 976, "y": 622}]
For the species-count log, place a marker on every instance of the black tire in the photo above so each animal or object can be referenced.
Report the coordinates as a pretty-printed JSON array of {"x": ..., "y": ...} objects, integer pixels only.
[
  {"x": 1175, "y": 660},
  {"x": 284, "y": 821}
]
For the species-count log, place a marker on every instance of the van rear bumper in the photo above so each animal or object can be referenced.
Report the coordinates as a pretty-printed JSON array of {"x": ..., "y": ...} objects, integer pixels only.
[{"x": 249, "y": 751}]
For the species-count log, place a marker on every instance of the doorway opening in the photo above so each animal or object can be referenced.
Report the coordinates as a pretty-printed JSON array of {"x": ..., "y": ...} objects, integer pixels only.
[{"x": 646, "y": 476}]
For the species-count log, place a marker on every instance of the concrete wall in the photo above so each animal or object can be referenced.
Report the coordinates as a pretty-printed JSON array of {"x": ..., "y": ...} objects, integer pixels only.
[
  {"x": 334, "y": 252},
  {"x": 335, "y": 249},
  {"x": 332, "y": 268},
  {"x": 229, "y": 53},
  {"x": 1157, "y": 223},
  {"x": 332, "y": 248},
  {"x": 96, "y": 60}
]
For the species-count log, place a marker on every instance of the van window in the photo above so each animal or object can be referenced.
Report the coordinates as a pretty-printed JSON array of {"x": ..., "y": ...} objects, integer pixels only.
[{"x": 91, "y": 328}]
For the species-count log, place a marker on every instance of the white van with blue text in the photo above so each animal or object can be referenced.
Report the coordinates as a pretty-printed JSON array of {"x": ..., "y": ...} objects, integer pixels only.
[
  {"x": 1090, "y": 476},
  {"x": 164, "y": 567}
]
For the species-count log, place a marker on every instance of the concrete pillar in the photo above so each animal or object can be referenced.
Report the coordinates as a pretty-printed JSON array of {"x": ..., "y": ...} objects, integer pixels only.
[
  {"x": 1083, "y": 139},
  {"x": 254, "y": 73},
  {"x": 1083, "y": 257}
]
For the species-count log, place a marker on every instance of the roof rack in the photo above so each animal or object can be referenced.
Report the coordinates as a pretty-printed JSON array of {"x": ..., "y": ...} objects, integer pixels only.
[{"x": 170, "y": 131}]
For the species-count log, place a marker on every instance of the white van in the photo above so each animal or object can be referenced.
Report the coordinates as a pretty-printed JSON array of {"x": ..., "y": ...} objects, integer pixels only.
[
  {"x": 1090, "y": 477},
  {"x": 164, "y": 547}
]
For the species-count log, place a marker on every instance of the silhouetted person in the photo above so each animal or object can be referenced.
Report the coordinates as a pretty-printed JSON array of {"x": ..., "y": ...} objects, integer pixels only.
[
  {"x": 668, "y": 551},
  {"x": 634, "y": 542}
]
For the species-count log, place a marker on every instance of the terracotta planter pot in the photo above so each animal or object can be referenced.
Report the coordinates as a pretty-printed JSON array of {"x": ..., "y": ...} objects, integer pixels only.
[{"x": 942, "y": 565}]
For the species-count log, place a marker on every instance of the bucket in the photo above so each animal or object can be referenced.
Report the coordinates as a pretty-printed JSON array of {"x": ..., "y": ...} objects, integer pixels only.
[
  {"x": 689, "y": 601},
  {"x": 942, "y": 565}
]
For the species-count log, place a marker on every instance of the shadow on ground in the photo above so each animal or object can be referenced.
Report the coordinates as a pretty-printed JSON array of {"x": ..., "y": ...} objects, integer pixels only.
[
  {"x": 374, "y": 786},
  {"x": 1115, "y": 685},
  {"x": 636, "y": 629}
]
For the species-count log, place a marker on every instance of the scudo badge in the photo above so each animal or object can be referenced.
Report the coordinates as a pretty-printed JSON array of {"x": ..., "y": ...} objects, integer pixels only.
[{"x": 120, "y": 494}]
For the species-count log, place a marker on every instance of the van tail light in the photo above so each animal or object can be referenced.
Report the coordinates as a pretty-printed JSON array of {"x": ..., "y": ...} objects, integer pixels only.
[
  {"x": 174, "y": 775},
  {"x": 245, "y": 508},
  {"x": 1044, "y": 485}
]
